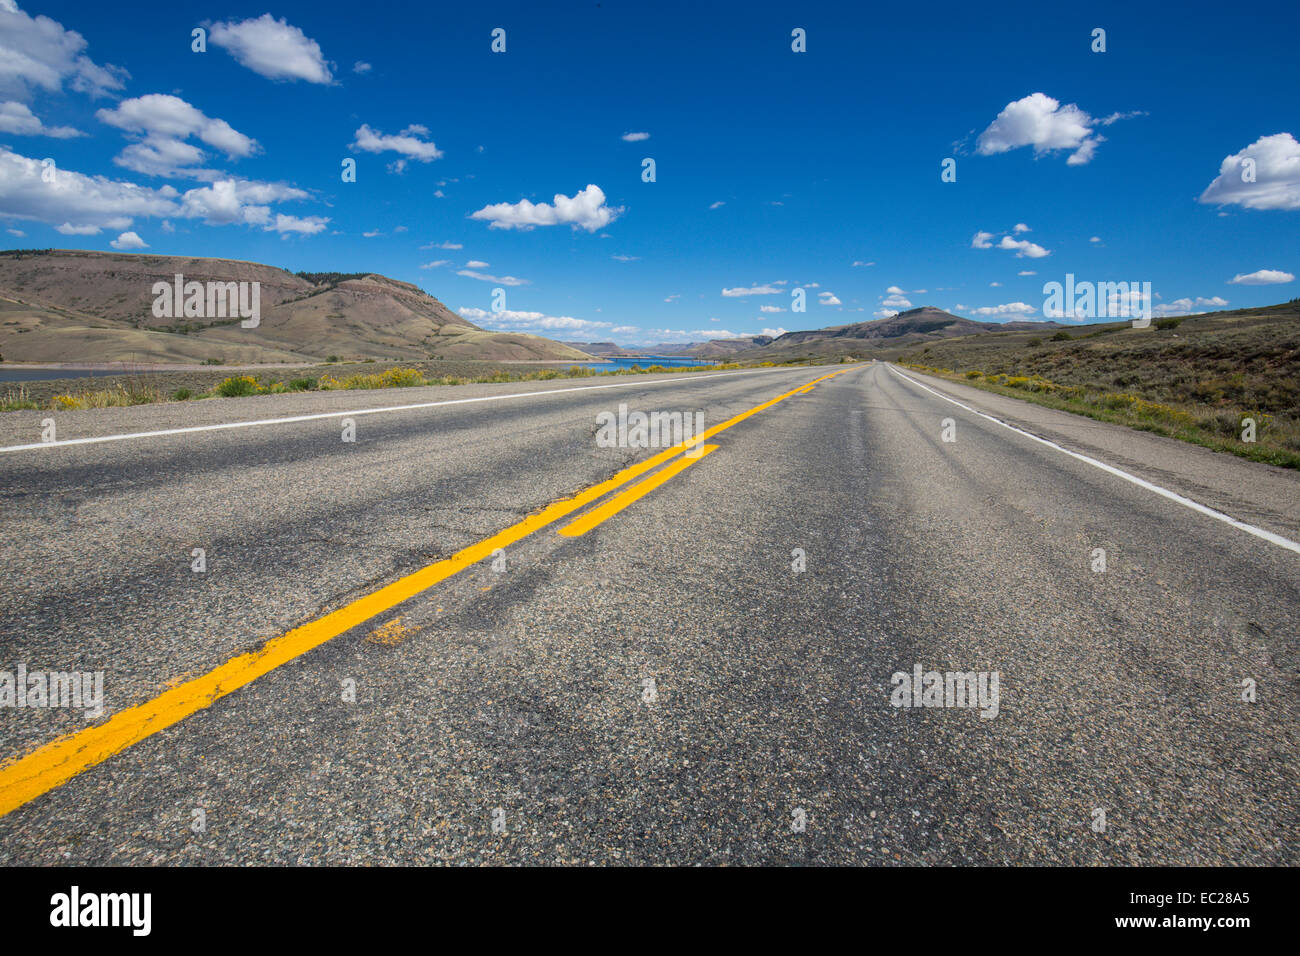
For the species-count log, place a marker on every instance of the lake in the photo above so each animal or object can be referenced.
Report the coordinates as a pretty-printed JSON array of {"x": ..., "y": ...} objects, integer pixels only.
[{"x": 645, "y": 361}]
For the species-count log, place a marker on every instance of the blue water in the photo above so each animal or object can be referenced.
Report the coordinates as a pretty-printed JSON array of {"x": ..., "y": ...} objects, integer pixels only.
[{"x": 645, "y": 361}]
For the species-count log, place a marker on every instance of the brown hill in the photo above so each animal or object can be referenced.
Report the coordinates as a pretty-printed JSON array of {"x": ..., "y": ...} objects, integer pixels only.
[
  {"x": 915, "y": 325},
  {"x": 74, "y": 306}
]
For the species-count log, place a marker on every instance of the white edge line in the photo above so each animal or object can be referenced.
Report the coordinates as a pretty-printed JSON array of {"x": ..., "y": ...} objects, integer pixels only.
[
  {"x": 369, "y": 411},
  {"x": 1269, "y": 536}
]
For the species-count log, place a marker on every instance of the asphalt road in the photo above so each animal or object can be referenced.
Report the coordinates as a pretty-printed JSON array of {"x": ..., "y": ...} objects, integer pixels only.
[{"x": 667, "y": 687}]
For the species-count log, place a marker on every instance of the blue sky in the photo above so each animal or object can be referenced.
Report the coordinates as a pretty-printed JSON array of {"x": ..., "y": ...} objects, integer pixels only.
[{"x": 773, "y": 169}]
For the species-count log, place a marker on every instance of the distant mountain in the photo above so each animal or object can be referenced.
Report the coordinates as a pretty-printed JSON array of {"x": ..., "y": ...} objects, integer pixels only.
[
  {"x": 62, "y": 305},
  {"x": 915, "y": 325}
]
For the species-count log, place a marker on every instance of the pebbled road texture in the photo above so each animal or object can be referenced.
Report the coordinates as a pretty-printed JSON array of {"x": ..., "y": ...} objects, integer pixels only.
[{"x": 522, "y": 697}]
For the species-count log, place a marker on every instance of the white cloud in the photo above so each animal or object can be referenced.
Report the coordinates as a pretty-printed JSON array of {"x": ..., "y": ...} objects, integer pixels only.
[
  {"x": 1010, "y": 308},
  {"x": 477, "y": 264},
  {"x": 1023, "y": 248},
  {"x": 528, "y": 321},
  {"x": 361, "y": 67},
  {"x": 37, "y": 53},
  {"x": 1276, "y": 162},
  {"x": 585, "y": 210},
  {"x": 828, "y": 298},
  {"x": 484, "y": 277},
  {"x": 129, "y": 240},
  {"x": 896, "y": 302},
  {"x": 436, "y": 264},
  {"x": 371, "y": 234},
  {"x": 635, "y": 137},
  {"x": 1026, "y": 272},
  {"x": 164, "y": 123},
  {"x": 442, "y": 245},
  {"x": 273, "y": 49},
  {"x": 770, "y": 308},
  {"x": 85, "y": 203},
  {"x": 1188, "y": 306},
  {"x": 407, "y": 143},
  {"x": 982, "y": 240},
  {"x": 1039, "y": 121},
  {"x": 1262, "y": 277},
  {"x": 626, "y": 258},
  {"x": 18, "y": 119},
  {"x": 995, "y": 285},
  {"x": 740, "y": 291},
  {"x": 860, "y": 263},
  {"x": 1021, "y": 227},
  {"x": 717, "y": 205},
  {"x": 895, "y": 290},
  {"x": 884, "y": 313},
  {"x": 1095, "y": 239}
]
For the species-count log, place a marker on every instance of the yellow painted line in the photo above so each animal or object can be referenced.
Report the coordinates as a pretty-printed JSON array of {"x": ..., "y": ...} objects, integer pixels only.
[
  {"x": 638, "y": 491},
  {"x": 25, "y": 778}
]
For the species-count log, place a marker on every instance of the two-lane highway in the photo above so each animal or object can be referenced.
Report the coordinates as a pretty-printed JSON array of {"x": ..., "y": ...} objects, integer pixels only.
[{"x": 701, "y": 673}]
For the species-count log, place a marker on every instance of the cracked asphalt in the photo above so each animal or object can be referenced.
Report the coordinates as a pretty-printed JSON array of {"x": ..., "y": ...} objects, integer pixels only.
[{"x": 667, "y": 688}]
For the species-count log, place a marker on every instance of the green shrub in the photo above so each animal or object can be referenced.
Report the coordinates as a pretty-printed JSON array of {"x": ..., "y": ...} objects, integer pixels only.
[
  {"x": 301, "y": 384},
  {"x": 1062, "y": 336},
  {"x": 182, "y": 395},
  {"x": 1163, "y": 324}
]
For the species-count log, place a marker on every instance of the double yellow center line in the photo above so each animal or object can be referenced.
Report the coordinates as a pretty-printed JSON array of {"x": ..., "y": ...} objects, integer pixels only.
[{"x": 25, "y": 778}]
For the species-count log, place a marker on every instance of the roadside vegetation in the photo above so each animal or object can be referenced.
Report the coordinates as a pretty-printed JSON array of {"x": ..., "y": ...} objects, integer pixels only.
[
  {"x": 1219, "y": 426},
  {"x": 139, "y": 390}
]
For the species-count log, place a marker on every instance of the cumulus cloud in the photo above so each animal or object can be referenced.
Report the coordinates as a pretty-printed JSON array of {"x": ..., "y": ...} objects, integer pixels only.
[
  {"x": 272, "y": 48},
  {"x": 770, "y": 308},
  {"x": 1262, "y": 277},
  {"x": 539, "y": 322},
  {"x": 408, "y": 144},
  {"x": 828, "y": 298},
  {"x": 742, "y": 291},
  {"x": 165, "y": 123},
  {"x": 635, "y": 137},
  {"x": 982, "y": 240},
  {"x": 361, "y": 67},
  {"x": 1273, "y": 162},
  {"x": 477, "y": 264},
  {"x": 1021, "y": 227},
  {"x": 586, "y": 209},
  {"x": 484, "y": 277},
  {"x": 896, "y": 302},
  {"x": 18, "y": 119},
  {"x": 1042, "y": 122},
  {"x": 80, "y": 202},
  {"x": 129, "y": 240},
  {"x": 1189, "y": 305},
  {"x": 36, "y": 53},
  {"x": 1009, "y": 308},
  {"x": 1023, "y": 247},
  {"x": 884, "y": 313}
]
